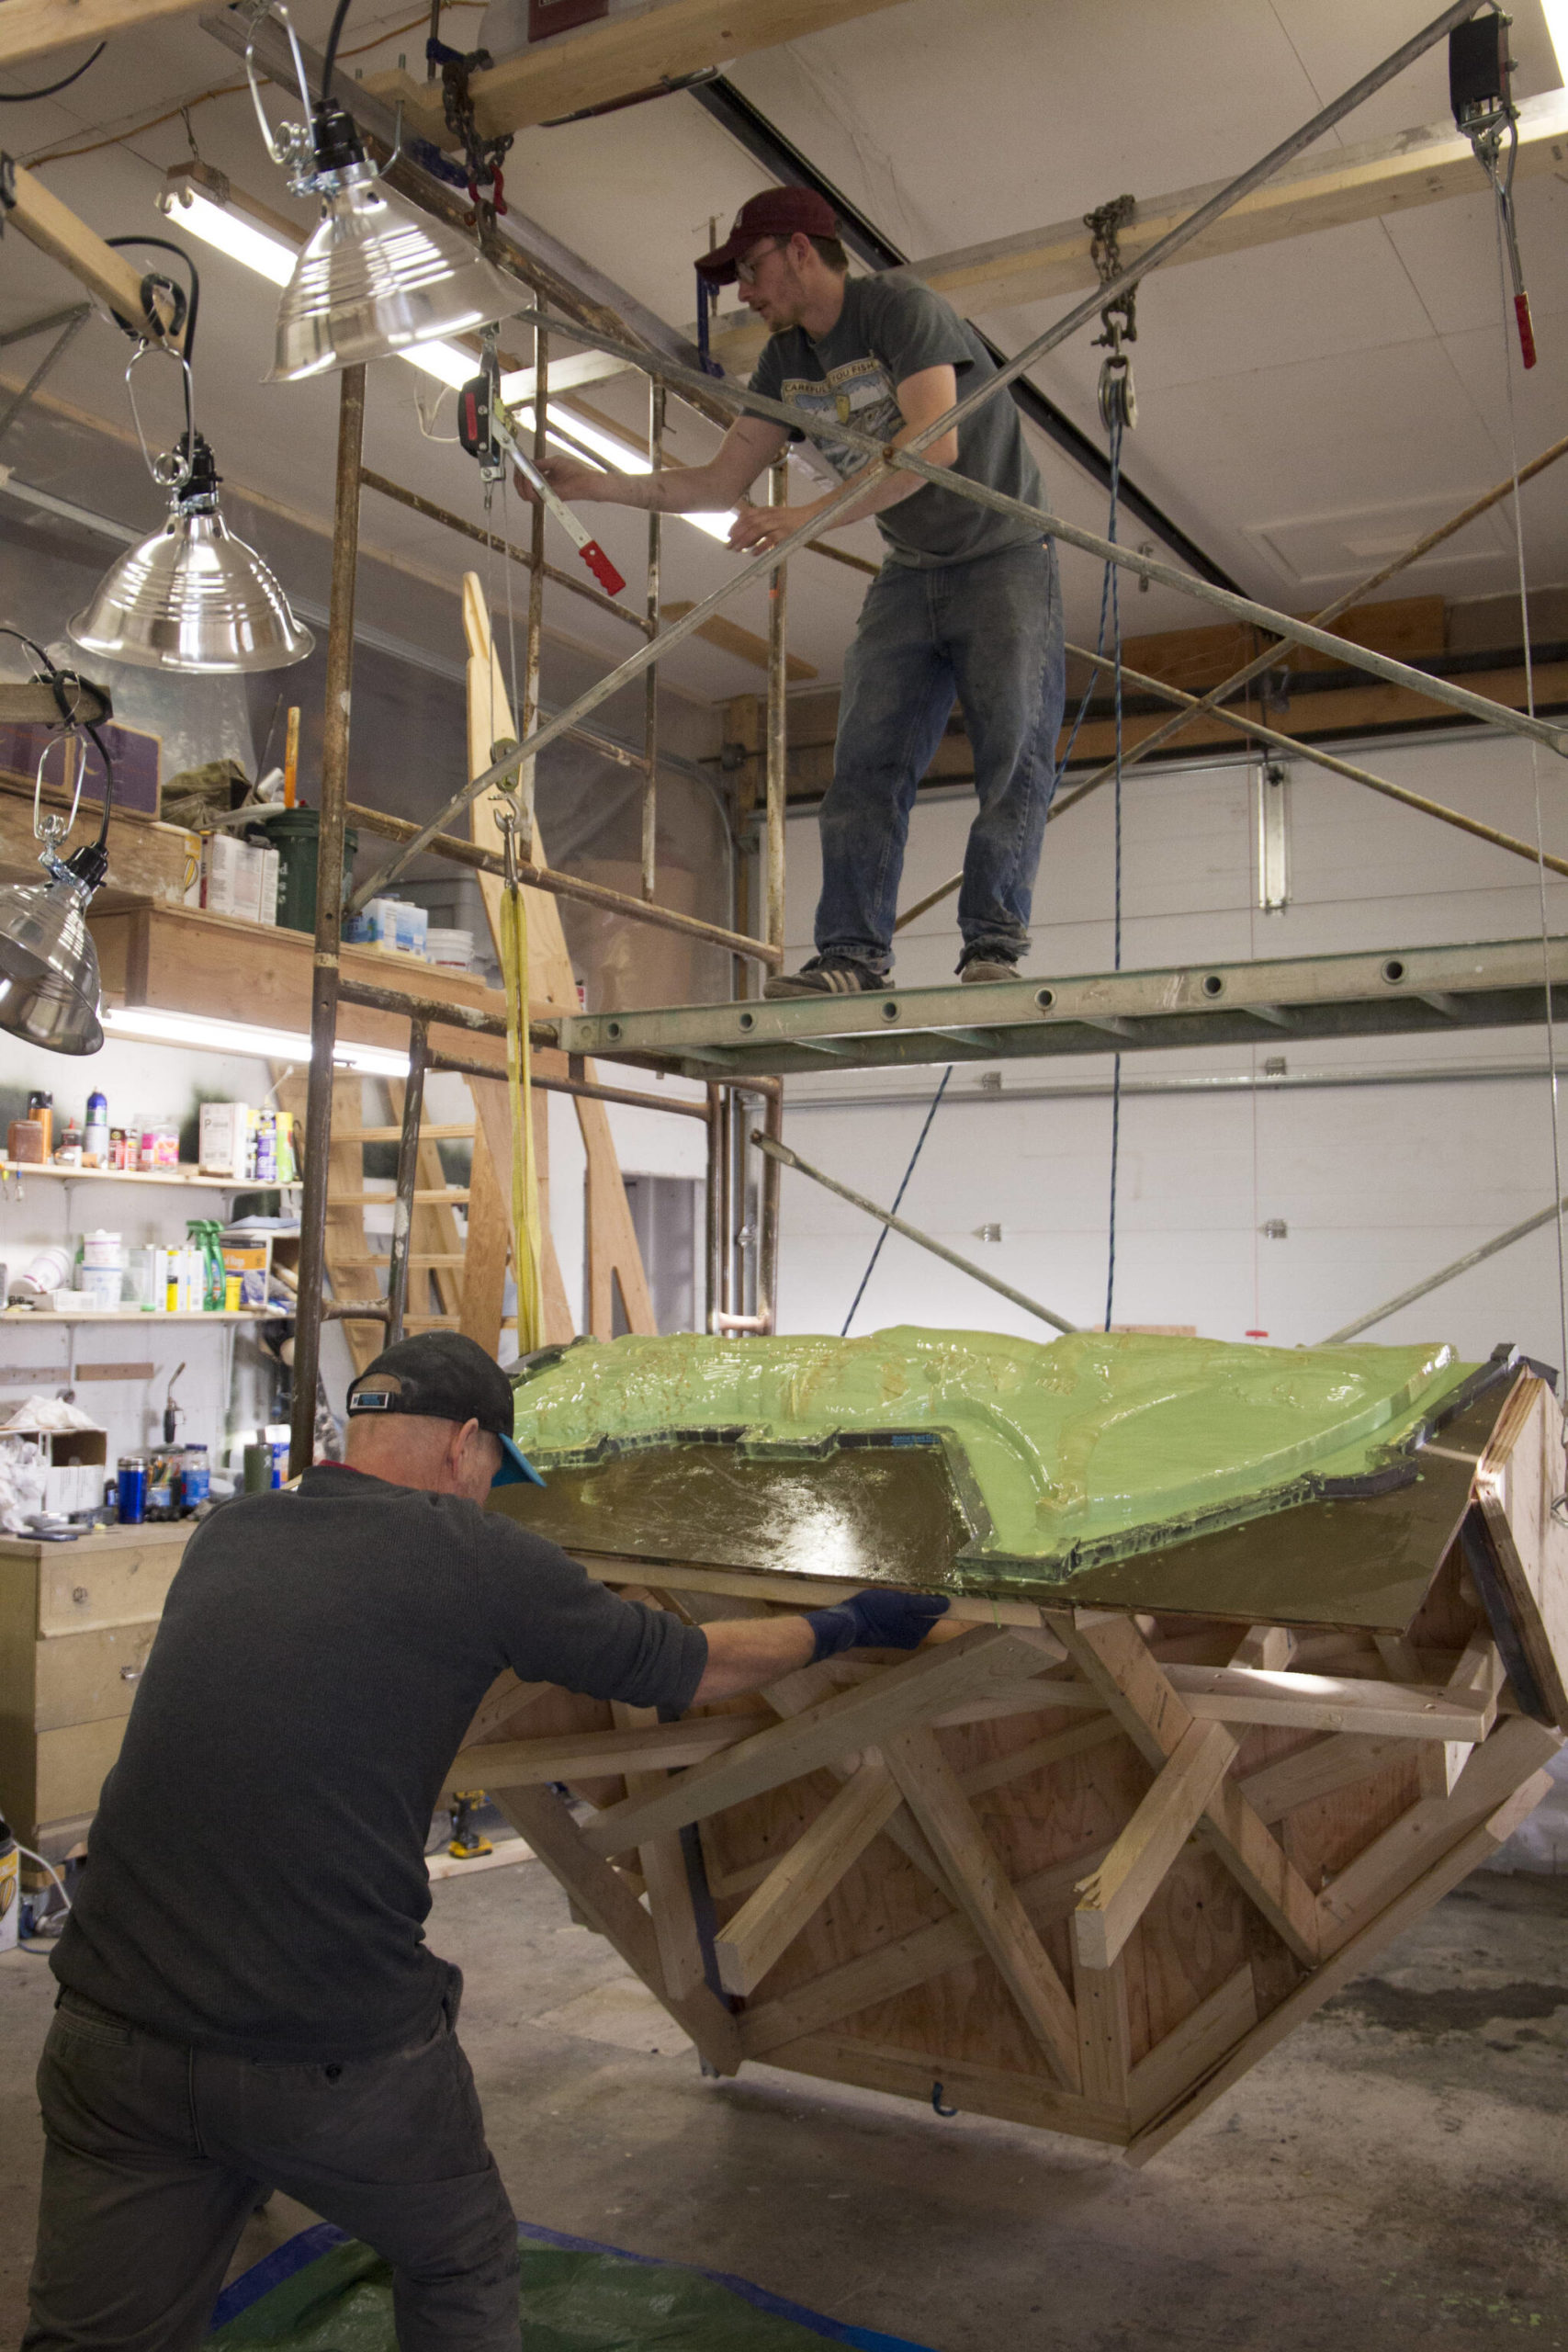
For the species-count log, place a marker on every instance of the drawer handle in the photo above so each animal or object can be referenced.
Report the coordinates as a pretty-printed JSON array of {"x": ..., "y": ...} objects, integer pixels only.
[{"x": 130, "y": 1674}]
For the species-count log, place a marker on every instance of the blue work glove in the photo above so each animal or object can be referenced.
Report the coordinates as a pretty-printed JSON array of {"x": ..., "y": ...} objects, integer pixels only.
[{"x": 876, "y": 1620}]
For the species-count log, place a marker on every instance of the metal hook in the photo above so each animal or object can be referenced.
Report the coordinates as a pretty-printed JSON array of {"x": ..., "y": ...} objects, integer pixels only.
[
  {"x": 170, "y": 471},
  {"x": 293, "y": 148},
  {"x": 937, "y": 2103},
  {"x": 47, "y": 826}
]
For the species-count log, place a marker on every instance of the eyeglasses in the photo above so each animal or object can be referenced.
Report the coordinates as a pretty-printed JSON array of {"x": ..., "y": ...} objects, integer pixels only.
[{"x": 746, "y": 271}]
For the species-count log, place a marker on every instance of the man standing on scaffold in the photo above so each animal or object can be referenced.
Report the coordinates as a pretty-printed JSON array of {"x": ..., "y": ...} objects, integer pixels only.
[{"x": 967, "y": 602}]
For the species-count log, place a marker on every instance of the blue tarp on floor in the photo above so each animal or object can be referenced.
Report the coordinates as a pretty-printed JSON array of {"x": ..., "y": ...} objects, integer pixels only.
[{"x": 325, "y": 2292}]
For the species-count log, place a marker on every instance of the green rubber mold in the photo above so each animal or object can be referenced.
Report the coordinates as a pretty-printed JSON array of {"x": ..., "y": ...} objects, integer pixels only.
[{"x": 1096, "y": 1445}]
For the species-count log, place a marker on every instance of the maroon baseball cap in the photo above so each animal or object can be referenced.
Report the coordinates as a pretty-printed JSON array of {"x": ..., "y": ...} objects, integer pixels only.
[{"x": 777, "y": 212}]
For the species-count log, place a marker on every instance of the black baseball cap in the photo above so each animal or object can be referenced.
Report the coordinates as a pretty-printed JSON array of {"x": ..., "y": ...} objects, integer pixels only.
[
  {"x": 777, "y": 212},
  {"x": 447, "y": 1378}
]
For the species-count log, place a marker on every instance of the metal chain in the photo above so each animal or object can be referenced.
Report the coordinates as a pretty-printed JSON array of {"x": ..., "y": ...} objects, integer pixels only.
[
  {"x": 482, "y": 158},
  {"x": 1119, "y": 319}
]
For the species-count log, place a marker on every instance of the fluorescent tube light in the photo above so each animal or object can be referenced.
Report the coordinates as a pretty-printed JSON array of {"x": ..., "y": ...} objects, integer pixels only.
[
  {"x": 146, "y": 1024},
  {"x": 576, "y": 436}
]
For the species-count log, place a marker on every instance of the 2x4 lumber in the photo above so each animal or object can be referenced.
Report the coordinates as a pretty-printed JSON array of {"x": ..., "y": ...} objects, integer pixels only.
[
  {"x": 38, "y": 212},
  {"x": 665, "y": 1876},
  {"x": 631, "y": 51},
  {"x": 902, "y": 1963},
  {"x": 1115, "y": 1659},
  {"x": 1349, "y": 1963},
  {"x": 801, "y": 1880},
  {"x": 1336, "y": 1761},
  {"x": 998, "y": 2091},
  {"x": 804, "y": 1592},
  {"x": 978, "y": 1661},
  {"x": 1240, "y": 1694},
  {"x": 1391, "y": 1862},
  {"x": 1199, "y": 2042},
  {"x": 590, "y": 1755},
  {"x": 986, "y": 1893},
  {"x": 1112, "y": 1902},
  {"x": 1105, "y": 2039},
  {"x": 608, "y": 1904},
  {"x": 792, "y": 1694}
]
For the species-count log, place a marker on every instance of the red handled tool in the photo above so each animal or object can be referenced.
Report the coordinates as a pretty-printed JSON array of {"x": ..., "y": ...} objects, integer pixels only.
[{"x": 485, "y": 434}]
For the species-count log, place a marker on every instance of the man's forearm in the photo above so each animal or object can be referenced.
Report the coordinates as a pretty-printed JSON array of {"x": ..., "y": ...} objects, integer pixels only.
[
  {"x": 744, "y": 1652},
  {"x": 674, "y": 489}
]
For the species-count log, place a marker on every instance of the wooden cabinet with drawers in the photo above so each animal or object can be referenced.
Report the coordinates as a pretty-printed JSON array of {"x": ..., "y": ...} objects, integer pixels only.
[{"x": 76, "y": 1623}]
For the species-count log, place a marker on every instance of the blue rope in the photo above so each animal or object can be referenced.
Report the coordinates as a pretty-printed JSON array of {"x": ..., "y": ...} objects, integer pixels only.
[
  {"x": 1113, "y": 569},
  {"x": 903, "y": 1187}
]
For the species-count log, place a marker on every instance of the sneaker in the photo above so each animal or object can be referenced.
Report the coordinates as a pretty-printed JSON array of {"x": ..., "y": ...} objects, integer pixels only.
[
  {"x": 820, "y": 978},
  {"x": 982, "y": 968}
]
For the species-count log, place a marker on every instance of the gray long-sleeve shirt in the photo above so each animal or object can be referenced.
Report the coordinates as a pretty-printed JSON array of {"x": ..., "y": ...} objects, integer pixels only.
[{"x": 256, "y": 1878}]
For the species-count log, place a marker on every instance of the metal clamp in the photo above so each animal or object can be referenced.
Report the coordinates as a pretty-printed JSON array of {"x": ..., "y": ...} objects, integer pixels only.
[
  {"x": 174, "y": 469},
  {"x": 49, "y": 826}
]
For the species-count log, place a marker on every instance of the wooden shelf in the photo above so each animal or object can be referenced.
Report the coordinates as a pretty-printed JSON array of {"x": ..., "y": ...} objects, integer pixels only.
[
  {"x": 191, "y": 1176},
  {"x": 140, "y": 1317}
]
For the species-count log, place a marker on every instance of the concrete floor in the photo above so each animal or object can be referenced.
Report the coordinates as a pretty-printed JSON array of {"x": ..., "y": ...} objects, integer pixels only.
[{"x": 1395, "y": 2176}]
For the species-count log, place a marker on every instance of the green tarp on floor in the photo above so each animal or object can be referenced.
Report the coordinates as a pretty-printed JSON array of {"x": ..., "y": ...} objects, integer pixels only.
[{"x": 322, "y": 2293}]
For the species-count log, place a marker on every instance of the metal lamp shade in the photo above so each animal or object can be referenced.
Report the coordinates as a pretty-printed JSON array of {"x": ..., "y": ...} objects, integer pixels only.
[
  {"x": 376, "y": 277},
  {"x": 192, "y": 598},
  {"x": 49, "y": 967}
]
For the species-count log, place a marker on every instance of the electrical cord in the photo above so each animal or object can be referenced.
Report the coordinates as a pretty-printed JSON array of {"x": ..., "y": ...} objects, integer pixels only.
[
  {"x": 192, "y": 297},
  {"x": 914, "y": 1156},
  {"x": 329, "y": 56},
  {"x": 25, "y": 98}
]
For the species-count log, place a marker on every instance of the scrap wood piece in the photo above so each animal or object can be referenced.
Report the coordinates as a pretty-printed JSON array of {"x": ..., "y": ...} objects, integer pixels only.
[
  {"x": 985, "y": 1891},
  {"x": 607, "y": 1905},
  {"x": 901, "y": 1963},
  {"x": 1425, "y": 1829},
  {"x": 666, "y": 1877},
  {"x": 803, "y": 1878},
  {"x": 1349, "y": 1963},
  {"x": 1115, "y": 1660},
  {"x": 1114, "y": 1900},
  {"x": 589, "y": 1755},
  {"x": 980, "y": 1659}
]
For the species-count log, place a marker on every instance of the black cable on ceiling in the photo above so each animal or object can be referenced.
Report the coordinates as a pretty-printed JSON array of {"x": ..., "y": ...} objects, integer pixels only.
[{"x": 764, "y": 142}]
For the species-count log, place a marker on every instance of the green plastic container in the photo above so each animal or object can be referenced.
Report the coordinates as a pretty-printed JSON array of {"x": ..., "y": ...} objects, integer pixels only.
[{"x": 292, "y": 832}]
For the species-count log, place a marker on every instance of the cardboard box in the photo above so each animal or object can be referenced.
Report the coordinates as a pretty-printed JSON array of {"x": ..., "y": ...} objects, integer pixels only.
[
  {"x": 248, "y": 1260},
  {"x": 224, "y": 1139}
]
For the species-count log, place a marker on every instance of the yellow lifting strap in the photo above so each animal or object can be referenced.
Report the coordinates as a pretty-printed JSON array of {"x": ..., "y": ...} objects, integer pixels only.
[{"x": 525, "y": 1236}]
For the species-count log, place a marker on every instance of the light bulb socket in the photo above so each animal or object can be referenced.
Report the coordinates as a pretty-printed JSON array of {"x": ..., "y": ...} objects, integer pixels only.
[
  {"x": 198, "y": 493},
  {"x": 337, "y": 140},
  {"x": 88, "y": 867}
]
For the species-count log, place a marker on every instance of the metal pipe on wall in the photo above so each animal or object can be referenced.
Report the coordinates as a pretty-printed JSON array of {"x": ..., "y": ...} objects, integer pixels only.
[
  {"x": 778, "y": 729},
  {"x": 328, "y": 924},
  {"x": 408, "y": 1177},
  {"x": 528, "y": 718},
  {"x": 1435, "y": 1282},
  {"x": 713, "y": 1285},
  {"x": 655, "y": 399}
]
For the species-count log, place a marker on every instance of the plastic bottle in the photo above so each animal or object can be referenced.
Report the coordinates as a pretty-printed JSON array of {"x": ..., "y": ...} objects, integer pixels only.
[
  {"x": 194, "y": 1479},
  {"x": 96, "y": 1130}
]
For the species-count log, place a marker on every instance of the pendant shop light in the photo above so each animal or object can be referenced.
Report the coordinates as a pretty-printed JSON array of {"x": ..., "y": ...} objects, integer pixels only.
[
  {"x": 191, "y": 597},
  {"x": 49, "y": 965},
  {"x": 376, "y": 275}
]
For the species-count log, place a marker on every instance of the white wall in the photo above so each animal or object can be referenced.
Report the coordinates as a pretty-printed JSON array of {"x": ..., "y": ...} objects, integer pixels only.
[{"x": 1378, "y": 1185}]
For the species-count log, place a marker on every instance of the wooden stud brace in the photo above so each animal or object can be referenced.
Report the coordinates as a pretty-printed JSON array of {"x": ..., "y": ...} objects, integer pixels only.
[
  {"x": 665, "y": 1876},
  {"x": 801, "y": 1881},
  {"x": 986, "y": 1893},
  {"x": 586, "y": 1755},
  {"x": 976, "y": 1662},
  {"x": 1112, "y": 1902}
]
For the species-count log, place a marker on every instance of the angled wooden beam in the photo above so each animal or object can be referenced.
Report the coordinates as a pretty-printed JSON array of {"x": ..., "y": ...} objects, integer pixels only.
[
  {"x": 1333, "y": 1762},
  {"x": 1114, "y": 1900},
  {"x": 1243, "y": 1694},
  {"x": 38, "y": 213},
  {"x": 665, "y": 1875},
  {"x": 1476, "y": 1681},
  {"x": 1467, "y": 1854},
  {"x": 1115, "y": 1659},
  {"x": 607, "y": 1905},
  {"x": 1105, "y": 2041},
  {"x": 1200, "y": 2041},
  {"x": 632, "y": 51},
  {"x": 979, "y": 1660},
  {"x": 903, "y": 1962},
  {"x": 985, "y": 1891},
  {"x": 1324, "y": 189},
  {"x": 591, "y": 1755},
  {"x": 801, "y": 1880},
  {"x": 33, "y": 28}
]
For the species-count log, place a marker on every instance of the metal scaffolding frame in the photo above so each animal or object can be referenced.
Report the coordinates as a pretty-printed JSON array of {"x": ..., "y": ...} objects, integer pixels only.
[{"x": 745, "y": 1047}]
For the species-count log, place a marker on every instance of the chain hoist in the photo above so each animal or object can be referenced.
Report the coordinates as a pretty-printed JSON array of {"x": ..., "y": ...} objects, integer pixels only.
[
  {"x": 482, "y": 158},
  {"x": 1481, "y": 97},
  {"x": 1117, "y": 394}
]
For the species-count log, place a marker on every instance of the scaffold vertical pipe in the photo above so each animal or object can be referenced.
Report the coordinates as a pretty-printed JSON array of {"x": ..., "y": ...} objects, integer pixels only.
[
  {"x": 713, "y": 1287},
  {"x": 528, "y": 718},
  {"x": 768, "y": 1247},
  {"x": 656, "y": 400},
  {"x": 408, "y": 1177},
  {"x": 329, "y": 922},
  {"x": 778, "y": 729}
]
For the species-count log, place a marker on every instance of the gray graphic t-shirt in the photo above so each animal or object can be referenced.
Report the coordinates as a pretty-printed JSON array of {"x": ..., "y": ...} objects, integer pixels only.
[{"x": 891, "y": 328}]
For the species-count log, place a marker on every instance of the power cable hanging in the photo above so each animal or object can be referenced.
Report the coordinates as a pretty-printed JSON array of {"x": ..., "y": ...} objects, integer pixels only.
[{"x": 914, "y": 1157}]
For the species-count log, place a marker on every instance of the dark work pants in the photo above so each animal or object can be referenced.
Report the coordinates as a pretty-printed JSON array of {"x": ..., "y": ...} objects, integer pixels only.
[{"x": 157, "y": 2154}]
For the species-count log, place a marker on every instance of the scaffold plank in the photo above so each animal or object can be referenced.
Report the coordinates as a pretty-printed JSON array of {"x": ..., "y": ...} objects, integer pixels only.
[{"x": 1380, "y": 992}]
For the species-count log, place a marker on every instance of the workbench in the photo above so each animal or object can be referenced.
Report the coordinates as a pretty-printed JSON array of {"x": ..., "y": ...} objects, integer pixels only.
[{"x": 76, "y": 1623}]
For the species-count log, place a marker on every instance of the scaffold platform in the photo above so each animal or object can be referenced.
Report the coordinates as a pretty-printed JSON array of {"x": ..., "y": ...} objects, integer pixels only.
[{"x": 1492, "y": 984}]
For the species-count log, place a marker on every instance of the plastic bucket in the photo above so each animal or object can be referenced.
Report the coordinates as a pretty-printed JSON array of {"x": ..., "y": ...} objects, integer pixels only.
[
  {"x": 293, "y": 833},
  {"x": 453, "y": 949}
]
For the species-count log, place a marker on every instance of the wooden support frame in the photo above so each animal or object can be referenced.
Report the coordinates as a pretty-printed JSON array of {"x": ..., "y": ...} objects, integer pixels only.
[{"x": 973, "y": 1868}]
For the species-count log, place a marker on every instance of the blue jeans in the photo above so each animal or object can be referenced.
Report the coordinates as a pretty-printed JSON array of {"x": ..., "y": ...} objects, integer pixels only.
[{"x": 990, "y": 632}]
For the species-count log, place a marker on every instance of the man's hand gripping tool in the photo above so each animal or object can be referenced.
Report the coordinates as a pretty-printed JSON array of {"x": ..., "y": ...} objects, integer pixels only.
[{"x": 486, "y": 434}]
